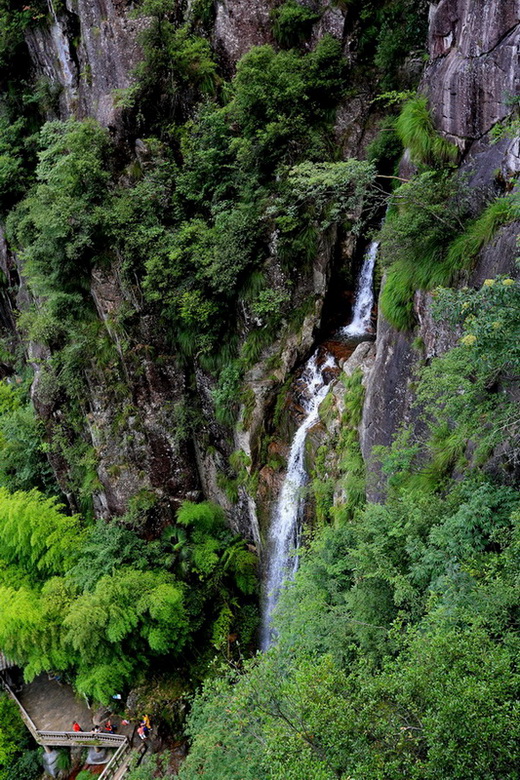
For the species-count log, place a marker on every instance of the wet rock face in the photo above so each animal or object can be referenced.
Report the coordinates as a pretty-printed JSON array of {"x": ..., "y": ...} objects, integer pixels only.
[
  {"x": 474, "y": 46},
  {"x": 89, "y": 50}
]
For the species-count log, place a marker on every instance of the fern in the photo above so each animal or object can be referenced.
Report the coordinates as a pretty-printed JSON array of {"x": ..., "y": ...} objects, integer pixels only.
[{"x": 35, "y": 532}]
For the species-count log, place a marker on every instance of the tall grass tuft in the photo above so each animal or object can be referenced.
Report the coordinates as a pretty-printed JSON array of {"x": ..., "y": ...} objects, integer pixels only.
[
  {"x": 417, "y": 133},
  {"x": 397, "y": 297},
  {"x": 464, "y": 249}
]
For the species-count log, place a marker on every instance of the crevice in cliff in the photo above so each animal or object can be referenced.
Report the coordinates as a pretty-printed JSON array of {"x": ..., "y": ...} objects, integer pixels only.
[{"x": 497, "y": 44}]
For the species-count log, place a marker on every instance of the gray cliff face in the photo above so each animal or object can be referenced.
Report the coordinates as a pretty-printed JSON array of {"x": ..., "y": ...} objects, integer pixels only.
[
  {"x": 474, "y": 48},
  {"x": 239, "y": 25},
  {"x": 88, "y": 51},
  {"x": 138, "y": 441}
]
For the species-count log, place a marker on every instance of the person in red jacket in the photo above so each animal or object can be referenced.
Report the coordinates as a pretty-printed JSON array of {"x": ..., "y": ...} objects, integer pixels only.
[{"x": 76, "y": 726}]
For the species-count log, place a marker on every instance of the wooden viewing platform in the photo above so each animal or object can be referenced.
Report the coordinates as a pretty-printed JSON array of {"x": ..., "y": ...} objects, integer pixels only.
[{"x": 57, "y": 705}]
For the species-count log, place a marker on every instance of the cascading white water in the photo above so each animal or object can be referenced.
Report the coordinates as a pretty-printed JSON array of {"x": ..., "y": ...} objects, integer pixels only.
[
  {"x": 62, "y": 46},
  {"x": 364, "y": 302},
  {"x": 286, "y": 522}
]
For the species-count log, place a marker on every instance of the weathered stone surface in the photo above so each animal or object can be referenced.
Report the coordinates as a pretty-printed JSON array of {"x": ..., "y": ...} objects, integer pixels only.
[
  {"x": 474, "y": 47},
  {"x": 89, "y": 51},
  {"x": 107, "y": 54},
  {"x": 239, "y": 25},
  {"x": 388, "y": 399},
  {"x": 139, "y": 447}
]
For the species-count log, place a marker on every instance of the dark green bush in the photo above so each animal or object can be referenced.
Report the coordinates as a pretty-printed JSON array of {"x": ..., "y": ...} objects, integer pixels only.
[
  {"x": 59, "y": 224},
  {"x": 292, "y": 23}
]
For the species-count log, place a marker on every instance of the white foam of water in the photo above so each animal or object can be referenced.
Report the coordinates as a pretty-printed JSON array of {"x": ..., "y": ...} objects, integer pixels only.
[{"x": 364, "y": 302}]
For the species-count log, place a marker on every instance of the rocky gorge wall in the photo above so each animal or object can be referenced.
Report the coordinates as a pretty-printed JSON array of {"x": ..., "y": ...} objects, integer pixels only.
[
  {"x": 144, "y": 461},
  {"x": 471, "y": 81},
  {"x": 89, "y": 50}
]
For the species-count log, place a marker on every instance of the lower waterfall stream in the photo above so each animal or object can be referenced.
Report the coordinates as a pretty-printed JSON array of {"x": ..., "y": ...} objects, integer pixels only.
[
  {"x": 286, "y": 523},
  {"x": 285, "y": 529}
]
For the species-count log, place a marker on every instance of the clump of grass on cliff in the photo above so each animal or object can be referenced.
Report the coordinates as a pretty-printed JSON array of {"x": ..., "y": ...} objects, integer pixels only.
[
  {"x": 417, "y": 133},
  {"x": 425, "y": 248},
  {"x": 463, "y": 250}
]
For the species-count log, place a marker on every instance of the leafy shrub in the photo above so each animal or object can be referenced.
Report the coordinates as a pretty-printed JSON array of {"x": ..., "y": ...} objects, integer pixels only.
[
  {"x": 59, "y": 223},
  {"x": 283, "y": 101},
  {"x": 177, "y": 69},
  {"x": 23, "y": 463},
  {"x": 14, "y": 738},
  {"x": 27, "y": 767},
  {"x": 292, "y": 22}
]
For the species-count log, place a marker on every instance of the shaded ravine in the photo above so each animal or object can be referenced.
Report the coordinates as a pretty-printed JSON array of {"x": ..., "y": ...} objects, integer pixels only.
[{"x": 285, "y": 529}]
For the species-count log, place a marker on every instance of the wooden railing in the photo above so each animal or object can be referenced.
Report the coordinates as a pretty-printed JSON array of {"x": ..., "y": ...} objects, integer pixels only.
[{"x": 116, "y": 762}]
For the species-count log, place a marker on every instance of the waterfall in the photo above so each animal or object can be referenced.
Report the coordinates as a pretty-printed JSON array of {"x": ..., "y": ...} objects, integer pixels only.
[
  {"x": 364, "y": 301},
  {"x": 286, "y": 521},
  {"x": 67, "y": 67}
]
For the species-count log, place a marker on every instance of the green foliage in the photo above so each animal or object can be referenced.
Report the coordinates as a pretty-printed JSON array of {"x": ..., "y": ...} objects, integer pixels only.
[
  {"x": 283, "y": 102},
  {"x": 315, "y": 197},
  {"x": 13, "y": 738},
  {"x": 462, "y": 385},
  {"x": 385, "y": 654},
  {"x": 388, "y": 31},
  {"x": 481, "y": 231},
  {"x": 27, "y": 767},
  {"x": 292, "y": 22},
  {"x": 177, "y": 69},
  {"x": 205, "y": 264},
  {"x": 15, "y": 154},
  {"x": 148, "y": 769},
  {"x": 101, "y": 603},
  {"x": 426, "y": 216},
  {"x": 351, "y": 464},
  {"x": 23, "y": 464},
  {"x": 107, "y": 548},
  {"x": 417, "y": 133},
  {"x": 214, "y": 553},
  {"x": 386, "y": 149},
  {"x": 35, "y": 533},
  {"x": 397, "y": 298},
  {"x": 59, "y": 223}
]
